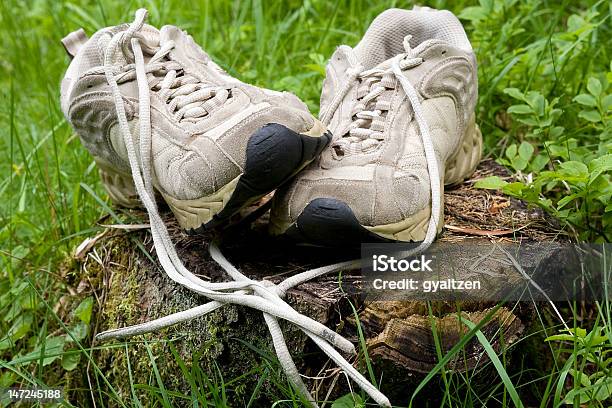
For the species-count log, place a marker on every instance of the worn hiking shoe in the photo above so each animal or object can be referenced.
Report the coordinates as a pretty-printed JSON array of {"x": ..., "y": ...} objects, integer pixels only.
[
  {"x": 212, "y": 143},
  {"x": 400, "y": 106}
]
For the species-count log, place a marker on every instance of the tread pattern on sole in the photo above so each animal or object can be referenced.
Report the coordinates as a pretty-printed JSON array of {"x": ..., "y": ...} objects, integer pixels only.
[
  {"x": 463, "y": 163},
  {"x": 190, "y": 213},
  {"x": 119, "y": 187}
]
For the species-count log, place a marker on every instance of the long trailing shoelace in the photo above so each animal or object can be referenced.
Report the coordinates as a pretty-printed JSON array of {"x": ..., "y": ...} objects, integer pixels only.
[{"x": 263, "y": 296}]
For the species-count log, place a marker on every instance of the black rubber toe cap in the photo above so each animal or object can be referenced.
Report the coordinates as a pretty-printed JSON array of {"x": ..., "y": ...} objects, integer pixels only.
[{"x": 330, "y": 222}]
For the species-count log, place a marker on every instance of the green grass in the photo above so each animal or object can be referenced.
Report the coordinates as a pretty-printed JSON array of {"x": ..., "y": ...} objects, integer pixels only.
[{"x": 544, "y": 109}]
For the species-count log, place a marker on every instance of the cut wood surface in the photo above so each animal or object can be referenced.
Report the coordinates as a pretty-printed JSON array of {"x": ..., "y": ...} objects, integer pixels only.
[{"x": 120, "y": 269}]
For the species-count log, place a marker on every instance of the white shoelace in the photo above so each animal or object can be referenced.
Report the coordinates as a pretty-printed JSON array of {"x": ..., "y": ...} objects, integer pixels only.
[
  {"x": 377, "y": 82},
  {"x": 263, "y": 296}
]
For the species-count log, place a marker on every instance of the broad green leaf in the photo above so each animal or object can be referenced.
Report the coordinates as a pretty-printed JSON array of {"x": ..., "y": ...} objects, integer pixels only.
[
  {"x": 577, "y": 393},
  {"x": 603, "y": 388},
  {"x": 594, "y": 86},
  {"x": 520, "y": 109},
  {"x": 590, "y": 115},
  {"x": 350, "y": 400},
  {"x": 78, "y": 331},
  {"x": 511, "y": 151},
  {"x": 473, "y": 13},
  {"x": 70, "y": 361},
  {"x": 527, "y": 120},
  {"x": 600, "y": 165},
  {"x": 21, "y": 326},
  {"x": 7, "y": 379},
  {"x": 515, "y": 189},
  {"x": 556, "y": 131},
  {"x": 586, "y": 100},
  {"x": 539, "y": 162},
  {"x": 519, "y": 163},
  {"x": 606, "y": 102},
  {"x": 579, "y": 332},
  {"x": 13, "y": 312},
  {"x": 515, "y": 93},
  {"x": 83, "y": 310},
  {"x": 525, "y": 150},
  {"x": 53, "y": 349},
  {"x": 575, "y": 168},
  {"x": 536, "y": 101},
  {"x": 566, "y": 200},
  {"x": 491, "y": 183},
  {"x": 580, "y": 377}
]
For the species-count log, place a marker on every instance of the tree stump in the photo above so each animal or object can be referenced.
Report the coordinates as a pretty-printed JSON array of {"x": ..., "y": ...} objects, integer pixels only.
[{"x": 120, "y": 269}]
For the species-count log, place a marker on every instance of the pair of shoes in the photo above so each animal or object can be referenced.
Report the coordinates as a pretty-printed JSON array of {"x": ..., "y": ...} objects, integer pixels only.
[{"x": 164, "y": 122}]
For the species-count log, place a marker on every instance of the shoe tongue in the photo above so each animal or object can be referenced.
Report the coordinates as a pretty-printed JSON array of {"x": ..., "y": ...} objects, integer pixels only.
[
  {"x": 415, "y": 52},
  {"x": 184, "y": 46}
]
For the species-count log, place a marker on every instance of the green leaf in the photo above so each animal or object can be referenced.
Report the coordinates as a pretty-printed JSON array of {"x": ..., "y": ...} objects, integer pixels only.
[
  {"x": 575, "y": 168},
  {"x": 491, "y": 183},
  {"x": 527, "y": 120},
  {"x": 594, "y": 86},
  {"x": 539, "y": 162},
  {"x": 515, "y": 93},
  {"x": 511, "y": 151},
  {"x": 600, "y": 165},
  {"x": 537, "y": 101},
  {"x": 53, "y": 349},
  {"x": 566, "y": 200},
  {"x": 560, "y": 337},
  {"x": 586, "y": 100},
  {"x": 515, "y": 189},
  {"x": 525, "y": 150},
  {"x": 519, "y": 163},
  {"x": 520, "y": 109},
  {"x": 473, "y": 13},
  {"x": 581, "y": 377},
  {"x": 606, "y": 102},
  {"x": 21, "y": 326},
  {"x": 78, "y": 331},
  {"x": 70, "y": 361},
  {"x": 591, "y": 116},
  {"x": 83, "y": 310},
  {"x": 577, "y": 393},
  {"x": 350, "y": 400},
  {"x": 603, "y": 388},
  {"x": 556, "y": 131}
]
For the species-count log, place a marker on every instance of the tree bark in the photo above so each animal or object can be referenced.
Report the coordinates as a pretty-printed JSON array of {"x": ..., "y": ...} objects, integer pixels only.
[{"x": 120, "y": 268}]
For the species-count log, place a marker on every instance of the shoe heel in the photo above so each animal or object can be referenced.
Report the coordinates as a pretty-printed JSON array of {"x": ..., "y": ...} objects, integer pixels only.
[
  {"x": 120, "y": 187},
  {"x": 463, "y": 162}
]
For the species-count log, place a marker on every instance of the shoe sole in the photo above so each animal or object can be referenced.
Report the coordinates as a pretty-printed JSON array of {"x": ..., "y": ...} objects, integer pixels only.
[
  {"x": 331, "y": 222},
  {"x": 274, "y": 155}
]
